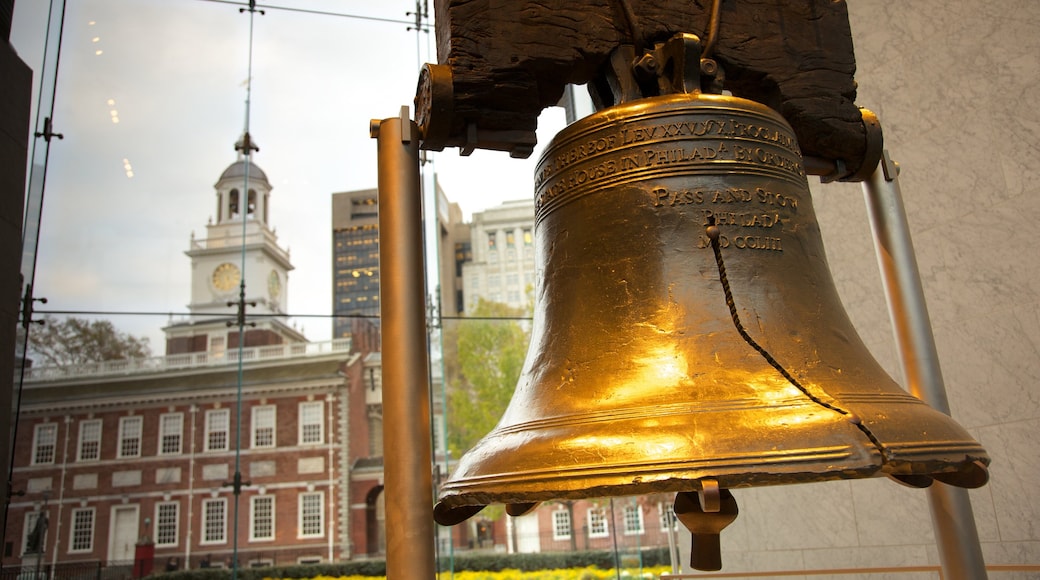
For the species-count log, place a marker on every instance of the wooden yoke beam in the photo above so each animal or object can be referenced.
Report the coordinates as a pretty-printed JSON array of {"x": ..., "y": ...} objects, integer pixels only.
[{"x": 501, "y": 63}]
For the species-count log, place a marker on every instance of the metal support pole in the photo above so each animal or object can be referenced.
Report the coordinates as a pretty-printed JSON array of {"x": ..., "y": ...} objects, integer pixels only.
[
  {"x": 952, "y": 520},
  {"x": 408, "y": 476}
]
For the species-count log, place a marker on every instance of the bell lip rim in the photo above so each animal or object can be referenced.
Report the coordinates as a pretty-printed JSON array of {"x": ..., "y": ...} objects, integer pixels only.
[{"x": 453, "y": 498}]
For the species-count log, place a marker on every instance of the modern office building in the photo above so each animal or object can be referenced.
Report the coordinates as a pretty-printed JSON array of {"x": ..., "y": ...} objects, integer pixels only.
[
  {"x": 355, "y": 259},
  {"x": 503, "y": 265}
]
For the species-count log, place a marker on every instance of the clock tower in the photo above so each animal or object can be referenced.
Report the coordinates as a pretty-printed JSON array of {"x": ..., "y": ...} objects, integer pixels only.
[{"x": 239, "y": 248}]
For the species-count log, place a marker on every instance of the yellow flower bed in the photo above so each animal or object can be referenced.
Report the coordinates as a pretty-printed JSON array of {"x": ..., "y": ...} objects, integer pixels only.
[{"x": 648, "y": 573}]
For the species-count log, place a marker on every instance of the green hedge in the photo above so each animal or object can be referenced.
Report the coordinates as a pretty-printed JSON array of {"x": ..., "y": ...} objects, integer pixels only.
[
  {"x": 603, "y": 559},
  {"x": 492, "y": 562}
]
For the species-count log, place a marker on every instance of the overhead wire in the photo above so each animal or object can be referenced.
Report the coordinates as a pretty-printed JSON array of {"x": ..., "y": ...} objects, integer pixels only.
[{"x": 319, "y": 12}]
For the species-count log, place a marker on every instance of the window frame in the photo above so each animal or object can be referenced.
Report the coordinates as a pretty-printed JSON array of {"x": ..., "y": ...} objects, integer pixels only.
[
  {"x": 210, "y": 431},
  {"x": 30, "y": 522},
  {"x": 39, "y": 446},
  {"x": 77, "y": 534},
  {"x": 561, "y": 519},
  {"x": 255, "y": 426},
  {"x": 162, "y": 527},
  {"x": 95, "y": 439},
  {"x": 123, "y": 438},
  {"x": 665, "y": 515},
  {"x": 164, "y": 419},
  {"x": 253, "y": 519},
  {"x": 302, "y": 515},
  {"x": 637, "y": 511},
  {"x": 204, "y": 538},
  {"x": 303, "y": 438},
  {"x": 596, "y": 516}
]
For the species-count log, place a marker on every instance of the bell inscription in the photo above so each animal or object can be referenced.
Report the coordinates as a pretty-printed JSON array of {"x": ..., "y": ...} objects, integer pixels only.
[{"x": 668, "y": 142}]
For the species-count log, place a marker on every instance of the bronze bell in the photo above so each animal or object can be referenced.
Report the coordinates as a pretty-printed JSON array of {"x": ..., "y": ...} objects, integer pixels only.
[{"x": 688, "y": 335}]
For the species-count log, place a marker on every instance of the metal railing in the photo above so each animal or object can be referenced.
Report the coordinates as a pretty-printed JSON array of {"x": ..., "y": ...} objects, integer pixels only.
[
  {"x": 187, "y": 360},
  {"x": 88, "y": 570}
]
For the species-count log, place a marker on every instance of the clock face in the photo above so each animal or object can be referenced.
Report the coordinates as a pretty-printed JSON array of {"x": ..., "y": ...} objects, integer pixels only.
[
  {"x": 226, "y": 277},
  {"x": 274, "y": 284}
]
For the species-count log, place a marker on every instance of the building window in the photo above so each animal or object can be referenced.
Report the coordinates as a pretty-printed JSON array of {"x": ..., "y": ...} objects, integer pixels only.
[
  {"x": 263, "y": 426},
  {"x": 44, "y": 439},
  {"x": 89, "y": 440},
  {"x": 261, "y": 518},
  {"x": 666, "y": 517},
  {"x": 528, "y": 238},
  {"x": 171, "y": 429},
  {"x": 561, "y": 525},
  {"x": 130, "y": 436},
  {"x": 166, "y": 523},
  {"x": 216, "y": 346},
  {"x": 214, "y": 521},
  {"x": 633, "y": 520},
  {"x": 597, "y": 524},
  {"x": 510, "y": 239},
  {"x": 82, "y": 539},
  {"x": 30, "y": 543},
  {"x": 218, "y": 423},
  {"x": 492, "y": 241},
  {"x": 312, "y": 422},
  {"x": 312, "y": 514}
]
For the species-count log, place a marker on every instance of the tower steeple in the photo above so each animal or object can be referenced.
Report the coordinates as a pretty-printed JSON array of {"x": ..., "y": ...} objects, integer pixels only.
[
  {"x": 237, "y": 197},
  {"x": 233, "y": 252}
]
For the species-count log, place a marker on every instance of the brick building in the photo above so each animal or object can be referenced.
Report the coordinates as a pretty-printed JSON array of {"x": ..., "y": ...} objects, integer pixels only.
[
  {"x": 118, "y": 455},
  {"x": 125, "y": 456}
]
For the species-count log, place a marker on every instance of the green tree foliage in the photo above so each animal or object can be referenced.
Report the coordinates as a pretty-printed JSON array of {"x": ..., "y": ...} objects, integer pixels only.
[
  {"x": 73, "y": 341},
  {"x": 491, "y": 347}
]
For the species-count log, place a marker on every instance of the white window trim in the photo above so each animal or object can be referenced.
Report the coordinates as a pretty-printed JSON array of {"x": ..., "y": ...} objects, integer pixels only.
[
  {"x": 222, "y": 502},
  {"x": 252, "y": 518},
  {"x": 556, "y": 527},
  {"x": 638, "y": 510},
  {"x": 73, "y": 532},
  {"x": 254, "y": 425},
  {"x": 122, "y": 436},
  {"x": 36, "y": 443},
  {"x": 176, "y": 524},
  {"x": 320, "y": 405},
  {"x": 83, "y": 425},
  {"x": 208, "y": 430},
  {"x": 664, "y": 515},
  {"x": 30, "y": 522},
  {"x": 162, "y": 434},
  {"x": 602, "y": 516},
  {"x": 321, "y": 514}
]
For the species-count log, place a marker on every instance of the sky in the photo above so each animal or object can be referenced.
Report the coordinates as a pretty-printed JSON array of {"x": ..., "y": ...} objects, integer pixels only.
[{"x": 151, "y": 97}]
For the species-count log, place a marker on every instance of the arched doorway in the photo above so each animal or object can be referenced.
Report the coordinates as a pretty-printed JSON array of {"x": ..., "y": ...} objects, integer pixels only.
[{"x": 375, "y": 521}]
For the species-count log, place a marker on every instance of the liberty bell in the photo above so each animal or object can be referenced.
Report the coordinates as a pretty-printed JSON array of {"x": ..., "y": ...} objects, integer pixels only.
[{"x": 688, "y": 336}]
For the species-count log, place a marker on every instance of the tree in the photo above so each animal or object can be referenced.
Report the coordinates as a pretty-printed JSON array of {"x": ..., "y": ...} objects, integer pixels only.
[
  {"x": 491, "y": 348},
  {"x": 74, "y": 341}
]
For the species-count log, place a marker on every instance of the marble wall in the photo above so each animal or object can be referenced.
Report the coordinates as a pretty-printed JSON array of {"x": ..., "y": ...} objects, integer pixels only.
[{"x": 955, "y": 86}]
